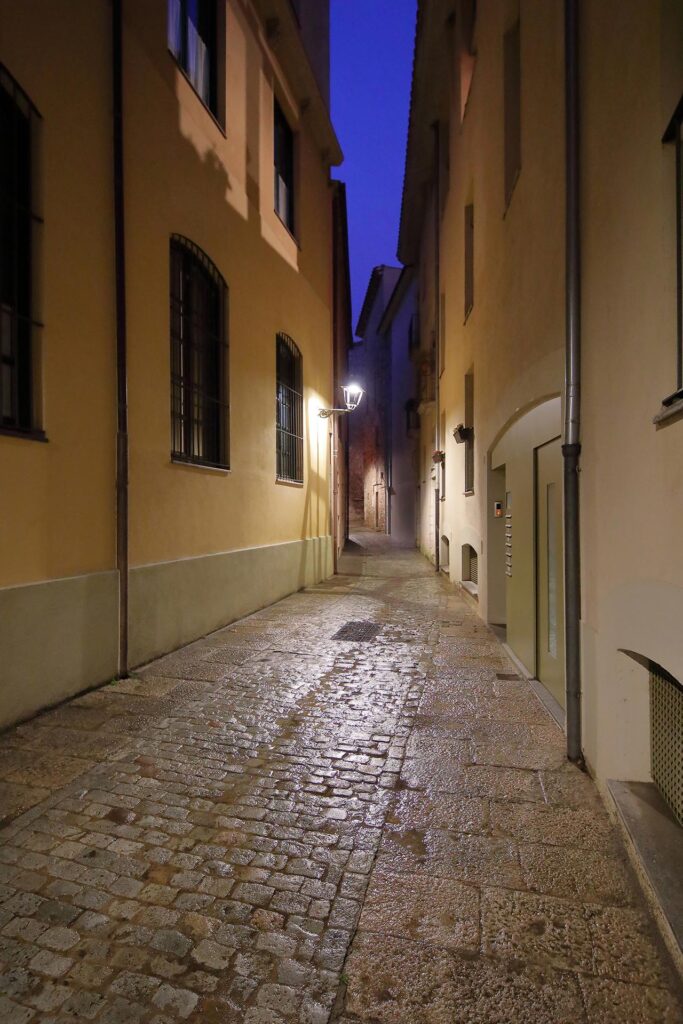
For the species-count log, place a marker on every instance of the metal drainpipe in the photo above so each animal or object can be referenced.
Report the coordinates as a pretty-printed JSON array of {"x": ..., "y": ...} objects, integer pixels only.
[
  {"x": 121, "y": 347},
  {"x": 389, "y": 427},
  {"x": 571, "y": 449},
  {"x": 437, "y": 326}
]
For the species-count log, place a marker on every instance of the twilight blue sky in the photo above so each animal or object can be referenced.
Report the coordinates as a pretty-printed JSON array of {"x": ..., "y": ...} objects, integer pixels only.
[{"x": 371, "y": 58}]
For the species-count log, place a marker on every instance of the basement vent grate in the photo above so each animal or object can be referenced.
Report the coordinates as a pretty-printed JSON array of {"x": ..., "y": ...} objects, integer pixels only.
[
  {"x": 666, "y": 724},
  {"x": 359, "y": 632}
]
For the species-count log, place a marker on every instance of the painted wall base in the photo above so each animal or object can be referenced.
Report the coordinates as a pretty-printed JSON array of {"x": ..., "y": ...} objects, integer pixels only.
[
  {"x": 173, "y": 603},
  {"x": 60, "y": 637},
  {"x": 56, "y": 638}
]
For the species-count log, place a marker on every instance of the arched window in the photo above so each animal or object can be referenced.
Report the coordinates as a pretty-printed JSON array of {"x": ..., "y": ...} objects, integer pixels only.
[
  {"x": 18, "y": 223},
  {"x": 289, "y": 410},
  {"x": 199, "y": 357},
  {"x": 470, "y": 567}
]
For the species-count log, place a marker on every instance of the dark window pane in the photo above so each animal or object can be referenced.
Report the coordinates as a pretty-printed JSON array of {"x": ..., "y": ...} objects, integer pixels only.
[
  {"x": 469, "y": 259},
  {"x": 199, "y": 406},
  {"x": 193, "y": 40},
  {"x": 17, "y": 219},
  {"x": 289, "y": 414},
  {"x": 469, "y": 423},
  {"x": 284, "y": 168},
  {"x": 513, "y": 108}
]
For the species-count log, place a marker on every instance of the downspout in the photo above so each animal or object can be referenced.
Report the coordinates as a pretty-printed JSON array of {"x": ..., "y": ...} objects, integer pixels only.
[
  {"x": 571, "y": 449},
  {"x": 121, "y": 347},
  {"x": 389, "y": 428},
  {"x": 437, "y": 327}
]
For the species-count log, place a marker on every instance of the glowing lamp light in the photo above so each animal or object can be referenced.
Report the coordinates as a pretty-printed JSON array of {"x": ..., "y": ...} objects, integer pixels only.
[{"x": 353, "y": 394}]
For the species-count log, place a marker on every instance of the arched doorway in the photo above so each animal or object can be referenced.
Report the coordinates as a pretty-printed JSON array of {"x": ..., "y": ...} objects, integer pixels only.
[{"x": 525, "y": 543}]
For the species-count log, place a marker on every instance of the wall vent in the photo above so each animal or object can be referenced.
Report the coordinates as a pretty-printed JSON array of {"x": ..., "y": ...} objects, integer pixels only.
[{"x": 666, "y": 725}]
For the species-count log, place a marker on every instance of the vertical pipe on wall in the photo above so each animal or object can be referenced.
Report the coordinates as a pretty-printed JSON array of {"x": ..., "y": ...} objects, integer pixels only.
[
  {"x": 437, "y": 327},
  {"x": 121, "y": 347},
  {"x": 571, "y": 449}
]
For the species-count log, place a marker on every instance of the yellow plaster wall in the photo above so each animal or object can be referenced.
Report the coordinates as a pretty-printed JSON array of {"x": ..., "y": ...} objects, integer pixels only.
[
  {"x": 57, "y": 508},
  {"x": 185, "y": 175}
]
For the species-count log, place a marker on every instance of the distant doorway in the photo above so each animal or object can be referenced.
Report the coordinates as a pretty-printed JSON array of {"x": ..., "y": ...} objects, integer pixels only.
[{"x": 549, "y": 570}]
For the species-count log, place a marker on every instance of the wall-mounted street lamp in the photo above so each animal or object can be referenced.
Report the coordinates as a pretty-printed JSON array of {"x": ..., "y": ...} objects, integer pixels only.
[{"x": 353, "y": 394}]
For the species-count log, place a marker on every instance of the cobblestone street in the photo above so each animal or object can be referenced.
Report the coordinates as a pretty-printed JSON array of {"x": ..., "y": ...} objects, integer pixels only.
[{"x": 284, "y": 823}]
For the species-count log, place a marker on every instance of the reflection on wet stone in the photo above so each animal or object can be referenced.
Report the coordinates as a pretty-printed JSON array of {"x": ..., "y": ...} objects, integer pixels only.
[{"x": 298, "y": 819}]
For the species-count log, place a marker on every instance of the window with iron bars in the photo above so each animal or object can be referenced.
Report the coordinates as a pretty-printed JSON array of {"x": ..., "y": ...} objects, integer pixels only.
[
  {"x": 289, "y": 411},
  {"x": 199, "y": 358},
  {"x": 18, "y": 225}
]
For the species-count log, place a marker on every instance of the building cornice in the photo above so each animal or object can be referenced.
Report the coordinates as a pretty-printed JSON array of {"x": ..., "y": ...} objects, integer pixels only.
[
  {"x": 397, "y": 296},
  {"x": 283, "y": 36},
  {"x": 429, "y": 103}
]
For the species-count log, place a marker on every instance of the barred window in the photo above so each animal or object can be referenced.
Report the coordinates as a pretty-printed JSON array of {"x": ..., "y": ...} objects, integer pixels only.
[
  {"x": 18, "y": 225},
  {"x": 199, "y": 357},
  {"x": 193, "y": 41},
  {"x": 289, "y": 410}
]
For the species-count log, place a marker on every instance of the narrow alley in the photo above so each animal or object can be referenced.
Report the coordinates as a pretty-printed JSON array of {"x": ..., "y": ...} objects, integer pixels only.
[{"x": 347, "y": 806}]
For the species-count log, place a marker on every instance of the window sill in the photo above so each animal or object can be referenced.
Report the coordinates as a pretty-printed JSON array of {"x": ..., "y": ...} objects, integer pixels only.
[
  {"x": 209, "y": 111},
  {"x": 288, "y": 229},
  {"x": 509, "y": 198},
  {"x": 471, "y": 588},
  {"x": 26, "y": 435},
  {"x": 671, "y": 407},
  {"x": 283, "y": 481},
  {"x": 211, "y": 467},
  {"x": 468, "y": 494}
]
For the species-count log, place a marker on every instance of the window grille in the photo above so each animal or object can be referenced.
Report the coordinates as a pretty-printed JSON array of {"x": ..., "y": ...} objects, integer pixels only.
[
  {"x": 199, "y": 357},
  {"x": 512, "y": 104},
  {"x": 470, "y": 565},
  {"x": 193, "y": 41},
  {"x": 284, "y": 168},
  {"x": 469, "y": 259},
  {"x": 289, "y": 411},
  {"x": 666, "y": 725},
  {"x": 18, "y": 225}
]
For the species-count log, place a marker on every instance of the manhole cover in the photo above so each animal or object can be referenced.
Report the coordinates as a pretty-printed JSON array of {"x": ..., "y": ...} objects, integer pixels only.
[{"x": 357, "y": 631}]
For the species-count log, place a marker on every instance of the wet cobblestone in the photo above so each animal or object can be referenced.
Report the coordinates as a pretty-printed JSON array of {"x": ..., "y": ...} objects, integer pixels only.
[{"x": 276, "y": 825}]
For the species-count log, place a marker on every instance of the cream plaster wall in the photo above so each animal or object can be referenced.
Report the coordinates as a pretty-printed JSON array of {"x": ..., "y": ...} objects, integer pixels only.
[
  {"x": 632, "y": 473},
  {"x": 513, "y": 338}
]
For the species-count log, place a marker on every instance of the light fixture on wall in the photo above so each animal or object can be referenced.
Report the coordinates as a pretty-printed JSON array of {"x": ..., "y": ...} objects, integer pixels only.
[{"x": 353, "y": 394}]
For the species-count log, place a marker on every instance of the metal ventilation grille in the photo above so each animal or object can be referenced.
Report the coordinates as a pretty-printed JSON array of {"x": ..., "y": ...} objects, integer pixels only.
[
  {"x": 359, "y": 632},
  {"x": 474, "y": 566},
  {"x": 666, "y": 724}
]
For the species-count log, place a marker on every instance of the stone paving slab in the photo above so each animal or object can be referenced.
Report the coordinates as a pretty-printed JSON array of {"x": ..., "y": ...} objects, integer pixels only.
[{"x": 273, "y": 825}]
